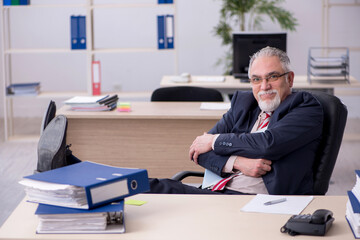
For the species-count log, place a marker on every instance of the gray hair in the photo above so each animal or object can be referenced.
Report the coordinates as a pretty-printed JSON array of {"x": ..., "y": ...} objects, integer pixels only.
[{"x": 271, "y": 52}]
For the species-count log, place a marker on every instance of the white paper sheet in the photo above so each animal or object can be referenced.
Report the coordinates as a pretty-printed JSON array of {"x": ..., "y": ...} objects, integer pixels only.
[
  {"x": 208, "y": 79},
  {"x": 293, "y": 205},
  {"x": 215, "y": 106}
]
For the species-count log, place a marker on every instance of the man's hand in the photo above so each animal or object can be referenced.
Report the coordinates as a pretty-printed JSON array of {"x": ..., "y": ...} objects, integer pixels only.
[
  {"x": 201, "y": 144},
  {"x": 252, "y": 167}
]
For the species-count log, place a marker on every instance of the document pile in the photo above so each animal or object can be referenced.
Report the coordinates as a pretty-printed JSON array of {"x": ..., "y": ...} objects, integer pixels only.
[
  {"x": 23, "y": 89},
  {"x": 353, "y": 207},
  {"x": 93, "y": 103},
  {"x": 88, "y": 193},
  {"x": 104, "y": 219}
]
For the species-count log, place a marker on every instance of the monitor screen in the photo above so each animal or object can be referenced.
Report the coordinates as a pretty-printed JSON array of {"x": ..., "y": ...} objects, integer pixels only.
[{"x": 245, "y": 44}]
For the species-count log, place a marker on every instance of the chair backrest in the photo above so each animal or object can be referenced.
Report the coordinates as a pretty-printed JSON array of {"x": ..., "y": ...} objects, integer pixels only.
[
  {"x": 335, "y": 116},
  {"x": 187, "y": 94}
]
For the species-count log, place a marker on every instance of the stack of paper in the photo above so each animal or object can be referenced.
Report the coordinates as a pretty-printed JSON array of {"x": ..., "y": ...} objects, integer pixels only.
[
  {"x": 56, "y": 194},
  {"x": 80, "y": 197},
  {"x": 353, "y": 207},
  {"x": 93, "y": 103},
  {"x": 105, "y": 219}
]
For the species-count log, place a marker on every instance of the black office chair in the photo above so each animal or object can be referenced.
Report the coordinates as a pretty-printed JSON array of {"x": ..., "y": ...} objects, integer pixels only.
[
  {"x": 335, "y": 116},
  {"x": 186, "y": 94}
]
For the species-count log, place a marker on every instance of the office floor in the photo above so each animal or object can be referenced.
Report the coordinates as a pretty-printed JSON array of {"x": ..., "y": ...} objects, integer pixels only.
[{"x": 18, "y": 159}]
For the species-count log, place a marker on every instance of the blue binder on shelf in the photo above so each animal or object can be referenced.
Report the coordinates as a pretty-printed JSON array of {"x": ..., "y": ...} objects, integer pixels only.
[
  {"x": 82, "y": 32},
  {"x": 161, "y": 32},
  {"x": 7, "y": 2},
  {"x": 24, "y": 2},
  {"x": 95, "y": 184},
  {"x": 165, "y": 1},
  {"x": 74, "y": 32},
  {"x": 169, "y": 31}
]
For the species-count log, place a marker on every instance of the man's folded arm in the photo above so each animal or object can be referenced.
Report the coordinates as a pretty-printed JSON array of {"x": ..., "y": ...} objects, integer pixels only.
[
  {"x": 213, "y": 162},
  {"x": 299, "y": 127}
]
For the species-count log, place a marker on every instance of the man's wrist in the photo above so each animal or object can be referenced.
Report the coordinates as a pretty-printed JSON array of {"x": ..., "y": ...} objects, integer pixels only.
[
  {"x": 214, "y": 140},
  {"x": 229, "y": 166}
]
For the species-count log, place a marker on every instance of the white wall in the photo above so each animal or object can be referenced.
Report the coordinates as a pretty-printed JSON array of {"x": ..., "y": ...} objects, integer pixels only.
[{"x": 197, "y": 49}]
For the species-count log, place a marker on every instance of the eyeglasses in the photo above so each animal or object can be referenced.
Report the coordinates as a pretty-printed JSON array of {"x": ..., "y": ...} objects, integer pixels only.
[{"x": 270, "y": 78}]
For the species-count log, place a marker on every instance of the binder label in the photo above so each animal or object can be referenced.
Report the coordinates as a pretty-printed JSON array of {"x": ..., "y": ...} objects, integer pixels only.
[
  {"x": 169, "y": 31},
  {"x": 96, "y": 78},
  {"x": 109, "y": 191}
]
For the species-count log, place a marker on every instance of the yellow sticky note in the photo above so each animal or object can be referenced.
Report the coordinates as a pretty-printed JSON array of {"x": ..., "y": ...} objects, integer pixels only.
[{"x": 134, "y": 202}]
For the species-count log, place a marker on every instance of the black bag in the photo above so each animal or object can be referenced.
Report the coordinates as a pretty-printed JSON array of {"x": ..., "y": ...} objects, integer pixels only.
[{"x": 53, "y": 152}]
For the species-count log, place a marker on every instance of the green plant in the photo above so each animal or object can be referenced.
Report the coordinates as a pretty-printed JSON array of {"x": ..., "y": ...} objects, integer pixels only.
[{"x": 235, "y": 13}]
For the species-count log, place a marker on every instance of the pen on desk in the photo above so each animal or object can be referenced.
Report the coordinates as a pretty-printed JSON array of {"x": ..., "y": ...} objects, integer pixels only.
[{"x": 275, "y": 201}]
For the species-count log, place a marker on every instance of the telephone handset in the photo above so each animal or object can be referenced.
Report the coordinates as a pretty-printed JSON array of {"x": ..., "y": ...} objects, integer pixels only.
[{"x": 316, "y": 224}]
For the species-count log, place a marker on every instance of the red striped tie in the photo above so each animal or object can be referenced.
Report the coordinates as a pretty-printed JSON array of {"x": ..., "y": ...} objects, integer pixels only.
[
  {"x": 222, "y": 183},
  {"x": 266, "y": 121}
]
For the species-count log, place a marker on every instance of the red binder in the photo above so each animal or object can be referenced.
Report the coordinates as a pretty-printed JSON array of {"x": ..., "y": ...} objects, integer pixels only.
[{"x": 96, "y": 78}]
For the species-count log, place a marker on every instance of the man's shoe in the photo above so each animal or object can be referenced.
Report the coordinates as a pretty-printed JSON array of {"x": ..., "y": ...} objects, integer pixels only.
[{"x": 52, "y": 145}]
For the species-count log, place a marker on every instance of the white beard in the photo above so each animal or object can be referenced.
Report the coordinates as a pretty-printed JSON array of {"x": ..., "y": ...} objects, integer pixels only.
[{"x": 269, "y": 105}]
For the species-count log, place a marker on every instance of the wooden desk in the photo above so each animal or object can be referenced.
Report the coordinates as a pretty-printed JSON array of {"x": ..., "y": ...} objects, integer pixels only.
[
  {"x": 188, "y": 217},
  {"x": 231, "y": 84},
  {"x": 155, "y": 135}
]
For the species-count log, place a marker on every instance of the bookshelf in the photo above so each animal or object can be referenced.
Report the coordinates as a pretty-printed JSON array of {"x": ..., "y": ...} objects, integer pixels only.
[{"x": 95, "y": 11}]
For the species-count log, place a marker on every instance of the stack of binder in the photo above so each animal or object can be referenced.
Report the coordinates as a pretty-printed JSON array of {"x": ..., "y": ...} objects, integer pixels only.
[
  {"x": 165, "y": 31},
  {"x": 93, "y": 103},
  {"x": 78, "y": 32},
  {"x": 85, "y": 197},
  {"x": 353, "y": 207},
  {"x": 23, "y": 89}
]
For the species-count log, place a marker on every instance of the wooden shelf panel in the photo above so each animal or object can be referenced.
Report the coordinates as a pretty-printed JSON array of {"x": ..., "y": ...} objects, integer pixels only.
[
  {"x": 116, "y": 5},
  {"x": 72, "y": 51},
  {"x": 51, "y": 95},
  {"x": 42, "y": 50}
]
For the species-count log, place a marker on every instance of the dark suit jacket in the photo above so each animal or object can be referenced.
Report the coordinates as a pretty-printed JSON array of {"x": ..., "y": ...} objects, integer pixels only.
[{"x": 290, "y": 142}]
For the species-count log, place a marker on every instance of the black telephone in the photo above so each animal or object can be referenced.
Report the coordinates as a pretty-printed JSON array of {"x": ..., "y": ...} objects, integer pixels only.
[{"x": 316, "y": 224}]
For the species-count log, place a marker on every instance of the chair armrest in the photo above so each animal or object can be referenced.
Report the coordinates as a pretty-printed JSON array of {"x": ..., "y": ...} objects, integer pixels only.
[{"x": 181, "y": 175}]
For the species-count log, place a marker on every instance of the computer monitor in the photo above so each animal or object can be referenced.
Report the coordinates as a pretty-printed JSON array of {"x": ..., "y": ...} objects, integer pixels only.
[{"x": 245, "y": 44}]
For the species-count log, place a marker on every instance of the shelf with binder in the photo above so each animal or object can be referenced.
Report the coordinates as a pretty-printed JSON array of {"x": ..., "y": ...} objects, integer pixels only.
[
  {"x": 12, "y": 51},
  {"x": 328, "y": 65},
  {"x": 87, "y": 8}
]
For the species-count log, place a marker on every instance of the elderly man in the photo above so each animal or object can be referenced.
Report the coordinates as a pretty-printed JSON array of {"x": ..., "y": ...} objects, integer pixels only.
[{"x": 267, "y": 141}]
